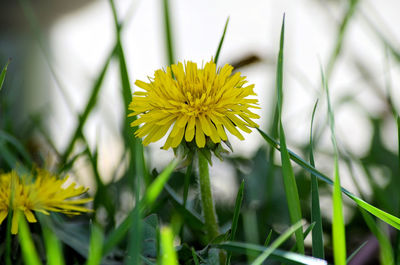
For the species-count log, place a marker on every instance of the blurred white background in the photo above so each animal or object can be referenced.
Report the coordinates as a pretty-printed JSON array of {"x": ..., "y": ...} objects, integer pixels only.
[{"x": 81, "y": 41}]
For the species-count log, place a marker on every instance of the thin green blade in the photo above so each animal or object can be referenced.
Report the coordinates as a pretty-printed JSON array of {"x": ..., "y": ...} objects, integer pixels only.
[
  {"x": 338, "y": 230},
  {"x": 221, "y": 42},
  {"x": 282, "y": 238},
  {"x": 289, "y": 181},
  {"x": 317, "y": 233},
  {"x": 3, "y": 74}
]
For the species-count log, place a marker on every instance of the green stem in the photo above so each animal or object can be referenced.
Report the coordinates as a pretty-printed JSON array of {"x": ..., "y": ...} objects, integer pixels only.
[{"x": 206, "y": 198}]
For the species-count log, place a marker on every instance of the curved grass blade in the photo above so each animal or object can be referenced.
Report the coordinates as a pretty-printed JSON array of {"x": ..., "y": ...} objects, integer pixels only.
[
  {"x": 192, "y": 219},
  {"x": 317, "y": 233},
  {"x": 277, "y": 254},
  {"x": 238, "y": 205},
  {"x": 338, "y": 231},
  {"x": 277, "y": 242},
  {"x": 3, "y": 74},
  {"x": 386, "y": 252},
  {"x": 355, "y": 252},
  {"x": 91, "y": 103},
  {"x": 289, "y": 180},
  {"x": 29, "y": 252},
  {"x": 384, "y": 216},
  {"x": 18, "y": 146},
  {"x": 340, "y": 36},
  {"x": 305, "y": 234},
  {"x": 150, "y": 196},
  {"x": 221, "y": 42}
]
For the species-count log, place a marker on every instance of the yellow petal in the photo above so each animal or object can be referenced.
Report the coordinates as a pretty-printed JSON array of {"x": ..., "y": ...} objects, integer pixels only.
[{"x": 200, "y": 138}]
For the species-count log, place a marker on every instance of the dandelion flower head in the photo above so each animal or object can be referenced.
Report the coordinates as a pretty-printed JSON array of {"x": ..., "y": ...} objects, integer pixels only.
[
  {"x": 23, "y": 195},
  {"x": 199, "y": 104}
]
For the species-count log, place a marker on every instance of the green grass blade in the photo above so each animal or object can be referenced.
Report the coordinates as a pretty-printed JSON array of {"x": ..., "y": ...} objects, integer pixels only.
[
  {"x": 96, "y": 246},
  {"x": 289, "y": 180},
  {"x": 150, "y": 196},
  {"x": 236, "y": 213},
  {"x": 268, "y": 239},
  {"x": 221, "y": 42},
  {"x": 89, "y": 107},
  {"x": 349, "y": 258},
  {"x": 384, "y": 216},
  {"x": 340, "y": 36},
  {"x": 186, "y": 184},
  {"x": 136, "y": 168},
  {"x": 168, "y": 33},
  {"x": 277, "y": 242},
  {"x": 168, "y": 253},
  {"x": 195, "y": 258},
  {"x": 158, "y": 185},
  {"x": 317, "y": 233},
  {"x": 17, "y": 145},
  {"x": 53, "y": 247},
  {"x": 386, "y": 252},
  {"x": 3, "y": 74},
  {"x": 338, "y": 230},
  {"x": 305, "y": 234},
  {"x": 280, "y": 255},
  {"x": 397, "y": 240},
  {"x": 8, "y": 238},
  {"x": 191, "y": 218},
  {"x": 29, "y": 252}
]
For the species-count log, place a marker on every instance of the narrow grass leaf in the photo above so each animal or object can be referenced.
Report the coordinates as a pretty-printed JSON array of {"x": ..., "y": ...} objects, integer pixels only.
[
  {"x": 386, "y": 252},
  {"x": 340, "y": 36},
  {"x": 91, "y": 103},
  {"x": 186, "y": 184},
  {"x": 279, "y": 255},
  {"x": 384, "y": 216},
  {"x": 235, "y": 221},
  {"x": 157, "y": 185},
  {"x": 289, "y": 181},
  {"x": 349, "y": 258},
  {"x": 29, "y": 252},
  {"x": 338, "y": 230},
  {"x": 277, "y": 242},
  {"x": 12, "y": 140},
  {"x": 3, "y": 75},
  {"x": 168, "y": 253},
  {"x": 195, "y": 258},
  {"x": 8, "y": 238},
  {"x": 305, "y": 234},
  {"x": 268, "y": 239},
  {"x": 397, "y": 240},
  {"x": 96, "y": 246},
  {"x": 168, "y": 32},
  {"x": 221, "y": 42},
  {"x": 317, "y": 233},
  {"x": 53, "y": 247},
  {"x": 150, "y": 196},
  {"x": 192, "y": 219}
]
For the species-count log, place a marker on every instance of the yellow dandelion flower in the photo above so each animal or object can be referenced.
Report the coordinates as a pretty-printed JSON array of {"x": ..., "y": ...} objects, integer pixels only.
[
  {"x": 46, "y": 193},
  {"x": 197, "y": 104}
]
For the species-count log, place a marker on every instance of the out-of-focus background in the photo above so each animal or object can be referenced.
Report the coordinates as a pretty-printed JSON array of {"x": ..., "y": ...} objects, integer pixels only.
[
  {"x": 77, "y": 36},
  {"x": 58, "y": 49}
]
